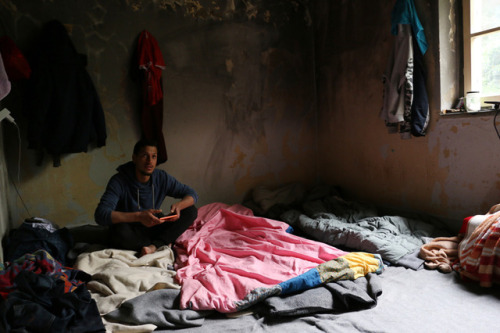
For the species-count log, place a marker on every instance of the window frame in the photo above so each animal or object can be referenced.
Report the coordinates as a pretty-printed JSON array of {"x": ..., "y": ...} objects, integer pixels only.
[{"x": 467, "y": 53}]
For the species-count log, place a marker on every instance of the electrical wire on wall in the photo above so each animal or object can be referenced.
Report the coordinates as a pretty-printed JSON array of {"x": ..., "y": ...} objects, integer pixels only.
[
  {"x": 19, "y": 173},
  {"x": 497, "y": 108},
  {"x": 495, "y": 123},
  {"x": 20, "y": 197}
]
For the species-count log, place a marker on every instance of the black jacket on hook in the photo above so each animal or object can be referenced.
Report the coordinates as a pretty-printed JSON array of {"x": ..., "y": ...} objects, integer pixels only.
[{"x": 63, "y": 109}]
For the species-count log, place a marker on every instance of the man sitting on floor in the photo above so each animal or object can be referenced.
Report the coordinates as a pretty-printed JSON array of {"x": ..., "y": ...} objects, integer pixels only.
[{"x": 131, "y": 200}]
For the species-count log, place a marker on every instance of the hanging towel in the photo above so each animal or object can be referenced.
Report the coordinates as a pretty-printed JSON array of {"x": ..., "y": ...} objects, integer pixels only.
[
  {"x": 151, "y": 65},
  {"x": 151, "y": 61}
]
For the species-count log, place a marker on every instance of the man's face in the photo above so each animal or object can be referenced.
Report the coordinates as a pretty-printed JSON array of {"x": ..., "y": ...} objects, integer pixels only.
[{"x": 145, "y": 160}]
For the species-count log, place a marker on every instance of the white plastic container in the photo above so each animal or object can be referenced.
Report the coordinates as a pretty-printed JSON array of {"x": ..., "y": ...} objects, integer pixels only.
[{"x": 472, "y": 101}]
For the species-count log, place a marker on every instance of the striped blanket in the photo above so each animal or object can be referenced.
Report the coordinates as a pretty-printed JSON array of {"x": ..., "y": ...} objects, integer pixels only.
[{"x": 479, "y": 251}]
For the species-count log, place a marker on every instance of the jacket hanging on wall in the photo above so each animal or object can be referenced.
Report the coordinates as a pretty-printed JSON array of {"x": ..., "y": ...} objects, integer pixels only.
[
  {"x": 150, "y": 63},
  {"x": 64, "y": 111},
  {"x": 405, "y": 104}
]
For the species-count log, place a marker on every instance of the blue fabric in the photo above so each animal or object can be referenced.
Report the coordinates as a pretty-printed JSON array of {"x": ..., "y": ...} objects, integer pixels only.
[
  {"x": 420, "y": 104},
  {"x": 404, "y": 12},
  {"x": 304, "y": 281},
  {"x": 123, "y": 191}
]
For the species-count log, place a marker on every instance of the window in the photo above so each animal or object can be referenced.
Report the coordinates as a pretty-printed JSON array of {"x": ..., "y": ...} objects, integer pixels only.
[{"x": 482, "y": 48}]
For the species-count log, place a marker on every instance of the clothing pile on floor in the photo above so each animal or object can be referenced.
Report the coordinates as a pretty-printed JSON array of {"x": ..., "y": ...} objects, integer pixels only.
[{"x": 39, "y": 293}]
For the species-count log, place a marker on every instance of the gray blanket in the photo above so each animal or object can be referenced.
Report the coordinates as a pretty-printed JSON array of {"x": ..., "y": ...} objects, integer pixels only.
[
  {"x": 158, "y": 307},
  {"x": 358, "y": 227},
  {"x": 161, "y": 307},
  {"x": 412, "y": 302},
  {"x": 334, "y": 297}
]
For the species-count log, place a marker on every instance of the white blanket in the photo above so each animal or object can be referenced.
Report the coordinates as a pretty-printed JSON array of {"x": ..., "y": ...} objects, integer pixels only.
[{"x": 118, "y": 275}]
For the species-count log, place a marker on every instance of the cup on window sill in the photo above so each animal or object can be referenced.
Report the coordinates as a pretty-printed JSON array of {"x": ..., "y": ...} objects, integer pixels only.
[{"x": 472, "y": 101}]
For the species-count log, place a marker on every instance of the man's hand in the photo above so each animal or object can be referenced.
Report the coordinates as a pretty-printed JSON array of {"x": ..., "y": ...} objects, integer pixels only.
[
  {"x": 180, "y": 205},
  {"x": 148, "y": 218},
  {"x": 177, "y": 210}
]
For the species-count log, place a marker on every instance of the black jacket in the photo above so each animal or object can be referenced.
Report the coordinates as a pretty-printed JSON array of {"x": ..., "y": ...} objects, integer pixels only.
[{"x": 63, "y": 109}]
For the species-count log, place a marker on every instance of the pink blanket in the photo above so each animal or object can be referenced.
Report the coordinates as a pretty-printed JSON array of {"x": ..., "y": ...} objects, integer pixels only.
[{"x": 228, "y": 252}]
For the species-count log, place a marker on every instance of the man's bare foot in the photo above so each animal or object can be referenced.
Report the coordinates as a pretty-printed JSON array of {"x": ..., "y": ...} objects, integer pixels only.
[{"x": 148, "y": 249}]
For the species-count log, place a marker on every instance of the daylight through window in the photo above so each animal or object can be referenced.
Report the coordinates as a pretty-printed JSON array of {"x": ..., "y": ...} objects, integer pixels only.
[{"x": 482, "y": 48}]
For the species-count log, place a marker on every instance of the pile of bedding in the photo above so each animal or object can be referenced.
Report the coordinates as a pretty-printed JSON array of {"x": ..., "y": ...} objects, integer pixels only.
[
  {"x": 119, "y": 277},
  {"x": 228, "y": 261},
  {"x": 474, "y": 253},
  {"x": 231, "y": 263},
  {"x": 323, "y": 215}
]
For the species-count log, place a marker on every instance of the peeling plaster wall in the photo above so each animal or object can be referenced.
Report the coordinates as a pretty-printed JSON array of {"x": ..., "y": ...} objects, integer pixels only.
[
  {"x": 238, "y": 98},
  {"x": 452, "y": 172}
]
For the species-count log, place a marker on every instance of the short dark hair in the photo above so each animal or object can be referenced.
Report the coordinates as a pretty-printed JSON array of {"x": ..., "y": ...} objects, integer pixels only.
[{"x": 144, "y": 143}]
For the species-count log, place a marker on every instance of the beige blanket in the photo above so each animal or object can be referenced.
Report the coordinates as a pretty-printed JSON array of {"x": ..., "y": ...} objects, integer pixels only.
[
  {"x": 118, "y": 275},
  {"x": 441, "y": 253}
]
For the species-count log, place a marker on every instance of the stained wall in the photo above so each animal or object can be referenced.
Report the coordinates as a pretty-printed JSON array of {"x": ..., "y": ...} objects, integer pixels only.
[
  {"x": 238, "y": 98},
  {"x": 262, "y": 92},
  {"x": 452, "y": 172}
]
